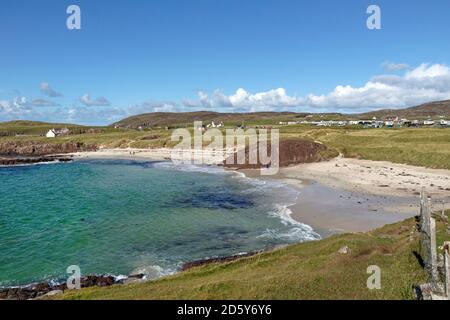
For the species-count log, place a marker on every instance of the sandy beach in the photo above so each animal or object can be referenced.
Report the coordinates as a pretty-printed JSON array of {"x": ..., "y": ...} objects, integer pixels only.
[{"x": 340, "y": 195}]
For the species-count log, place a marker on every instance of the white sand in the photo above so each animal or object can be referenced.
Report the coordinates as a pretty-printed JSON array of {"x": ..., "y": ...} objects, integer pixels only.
[
  {"x": 375, "y": 177},
  {"x": 205, "y": 156}
]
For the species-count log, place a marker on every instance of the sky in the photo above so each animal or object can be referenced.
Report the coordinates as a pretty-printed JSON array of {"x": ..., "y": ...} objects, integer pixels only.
[{"x": 139, "y": 56}]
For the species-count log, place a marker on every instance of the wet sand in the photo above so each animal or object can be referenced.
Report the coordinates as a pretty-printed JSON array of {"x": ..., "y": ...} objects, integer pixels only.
[{"x": 331, "y": 210}]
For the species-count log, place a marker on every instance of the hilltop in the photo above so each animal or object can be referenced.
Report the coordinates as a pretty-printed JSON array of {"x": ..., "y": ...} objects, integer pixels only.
[
  {"x": 162, "y": 119},
  {"x": 432, "y": 109},
  {"x": 184, "y": 119}
]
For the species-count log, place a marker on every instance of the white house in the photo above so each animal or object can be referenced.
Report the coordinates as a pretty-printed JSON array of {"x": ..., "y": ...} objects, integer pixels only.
[{"x": 51, "y": 133}]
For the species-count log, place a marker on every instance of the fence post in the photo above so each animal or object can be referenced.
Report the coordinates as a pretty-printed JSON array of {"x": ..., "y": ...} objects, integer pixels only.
[
  {"x": 422, "y": 209},
  {"x": 443, "y": 209},
  {"x": 447, "y": 268},
  {"x": 433, "y": 251}
]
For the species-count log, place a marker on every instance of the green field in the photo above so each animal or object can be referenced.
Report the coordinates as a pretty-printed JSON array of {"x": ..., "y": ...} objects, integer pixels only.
[
  {"x": 313, "y": 270},
  {"x": 428, "y": 147}
]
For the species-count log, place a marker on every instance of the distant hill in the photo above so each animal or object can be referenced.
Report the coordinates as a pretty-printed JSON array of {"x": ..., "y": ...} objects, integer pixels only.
[
  {"x": 161, "y": 119},
  {"x": 184, "y": 119},
  {"x": 432, "y": 109}
]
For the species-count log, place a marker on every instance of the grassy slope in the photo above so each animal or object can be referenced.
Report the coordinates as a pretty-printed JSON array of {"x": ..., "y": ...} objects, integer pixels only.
[
  {"x": 428, "y": 147},
  {"x": 313, "y": 270}
]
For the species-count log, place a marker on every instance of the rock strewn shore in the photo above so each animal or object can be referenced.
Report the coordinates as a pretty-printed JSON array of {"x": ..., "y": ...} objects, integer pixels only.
[
  {"x": 19, "y": 153},
  {"x": 14, "y": 161},
  {"x": 42, "y": 289},
  {"x": 203, "y": 262},
  {"x": 36, "y": 149}
]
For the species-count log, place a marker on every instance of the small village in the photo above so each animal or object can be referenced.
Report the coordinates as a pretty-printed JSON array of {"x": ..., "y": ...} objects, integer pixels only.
[{"x": 374, "y": 123}]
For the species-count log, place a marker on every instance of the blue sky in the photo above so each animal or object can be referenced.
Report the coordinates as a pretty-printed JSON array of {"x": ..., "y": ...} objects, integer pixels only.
[{"x": 223, "y": 55}]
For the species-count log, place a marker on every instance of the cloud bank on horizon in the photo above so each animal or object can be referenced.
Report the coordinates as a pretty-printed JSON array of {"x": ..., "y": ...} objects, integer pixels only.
[{"x": 424, "y": 83}]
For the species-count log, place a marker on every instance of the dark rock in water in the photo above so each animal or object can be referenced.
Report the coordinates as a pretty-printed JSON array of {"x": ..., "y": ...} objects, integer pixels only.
[
  {"x": 136, "y": 275},
  {"x": 38, "y": 148},
  {"x": 198, "y": 263},
  {"x": 13, "y": 161},
  {"x": 218, "y": 200},
  {"x": 36, "y": 290}
]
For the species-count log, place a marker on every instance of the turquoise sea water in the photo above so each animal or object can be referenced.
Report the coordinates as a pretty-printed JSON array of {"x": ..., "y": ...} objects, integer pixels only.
[{"x": 118, "y": 216}]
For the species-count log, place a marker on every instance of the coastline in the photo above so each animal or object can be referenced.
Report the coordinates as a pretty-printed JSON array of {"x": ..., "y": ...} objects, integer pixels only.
[
  {"x": 327, "y": 202},
  {"x": 336, "y": 196}
]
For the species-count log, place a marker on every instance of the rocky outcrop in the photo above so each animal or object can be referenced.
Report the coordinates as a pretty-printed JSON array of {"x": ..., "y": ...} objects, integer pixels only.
[
  {"x": 14, "y": 161},
  {"x": 17, "y": 153},
  {"x": 30, "y": 148},
  {"x": 291, "y": 152},
  {"x": 41, "y": 289},
  {"x": 198, "y": 263}
]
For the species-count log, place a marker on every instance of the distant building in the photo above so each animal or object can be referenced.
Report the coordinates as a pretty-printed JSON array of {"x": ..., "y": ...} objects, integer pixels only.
[
  {"x": 53, "y": 133},
  {"x": 389, "y": 123},
  {"x": 428, "y": 122}
]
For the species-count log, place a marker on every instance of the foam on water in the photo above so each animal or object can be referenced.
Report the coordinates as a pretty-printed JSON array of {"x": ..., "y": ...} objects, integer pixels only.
[{"x": 298, "y": 232}]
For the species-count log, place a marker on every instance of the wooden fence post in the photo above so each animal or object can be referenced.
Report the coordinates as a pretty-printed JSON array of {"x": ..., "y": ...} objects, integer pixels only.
[
  {"x": 443, "y": 209},
  {"x": 447, "y": 268},
  {"x": 422, "y": 209},
  {"x": 433, "y": 251}
]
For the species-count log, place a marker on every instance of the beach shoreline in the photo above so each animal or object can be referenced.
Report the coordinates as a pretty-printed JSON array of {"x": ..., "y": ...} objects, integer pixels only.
[
  {"x": 327, "y": 202},
  {"x": 336, "y": 196}
]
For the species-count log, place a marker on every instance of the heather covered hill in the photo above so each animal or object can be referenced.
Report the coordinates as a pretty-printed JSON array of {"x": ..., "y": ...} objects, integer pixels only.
[
  {"x": 432, "y": 109},
  {"x": 162, "y": 119},
  {"x": 184, "y": 119}
]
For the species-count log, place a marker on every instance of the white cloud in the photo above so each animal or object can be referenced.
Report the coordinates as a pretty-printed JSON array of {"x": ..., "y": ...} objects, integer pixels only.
[
  {"x": 16, "y": 109},
  {"x": 98, "y": 102},
  {"x": 423, "y": 84},
  {"x": 425, "y": 71},
  {"x": 44, "y": 103},
  {"x": 154, "y": 106},
  {"x": 393, "y": 67},
  {"x": 244, "y": 101},
  {"x": 46, "y": 89}
]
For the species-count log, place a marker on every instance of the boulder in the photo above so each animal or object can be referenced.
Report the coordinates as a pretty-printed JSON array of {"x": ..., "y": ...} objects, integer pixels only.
[{"x": 344, "y": 250}]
